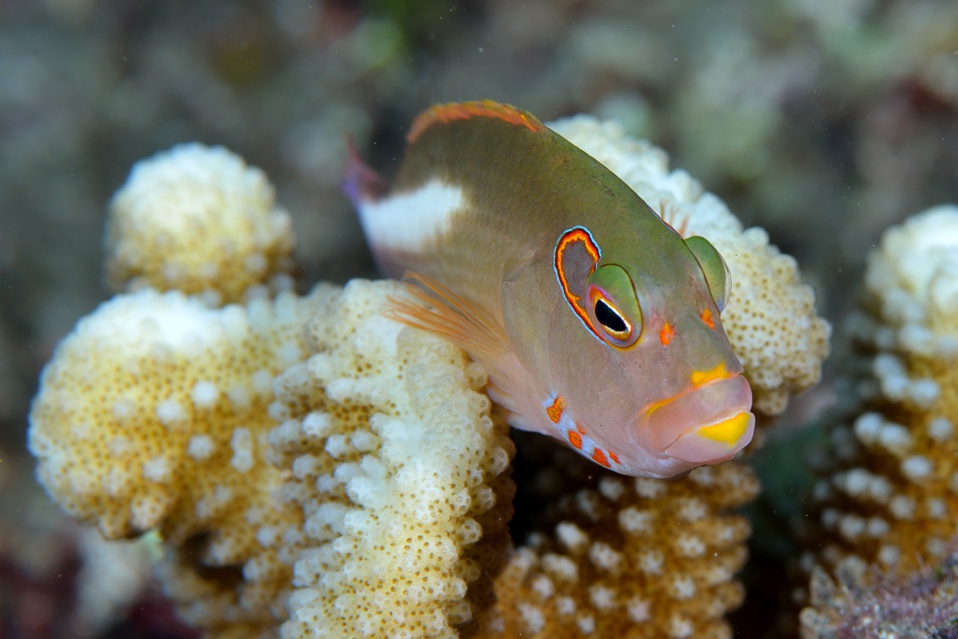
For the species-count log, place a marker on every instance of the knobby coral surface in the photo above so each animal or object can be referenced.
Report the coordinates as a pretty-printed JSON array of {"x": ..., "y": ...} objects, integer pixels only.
[
  {"x": 399, "y": 471},
  {"x": 890, "y": 499},
  {"x": 316, "y": 469},
  {"x": 153, "y": 416},
  {"x": 197, "y": 219},
  {"x": 631, "y": 558}
]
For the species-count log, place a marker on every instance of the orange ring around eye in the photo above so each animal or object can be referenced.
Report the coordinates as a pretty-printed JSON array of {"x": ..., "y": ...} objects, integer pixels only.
[{"x": 618, "y": 339}]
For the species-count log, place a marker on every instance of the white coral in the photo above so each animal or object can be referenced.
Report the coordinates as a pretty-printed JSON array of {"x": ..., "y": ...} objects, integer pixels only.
[
  {"x": 914, "y": 276},
  {"x": 199, "y": 220},
  {"x": 397, "y": 485},
  {"x": 123, "y": 438}
]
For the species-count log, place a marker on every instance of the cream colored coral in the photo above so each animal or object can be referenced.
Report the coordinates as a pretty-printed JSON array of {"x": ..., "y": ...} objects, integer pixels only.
[
  {"x": 381, "y": 477},
  {"x": 914, "y": 277},
  {"x": 771, "y": 320},
  {"x": 892, "y": 498},
  {"x": 112, "y": 578},
  {"x": 197, "y": 219},
  {"x": 399, "y": 471},
  {"x": 152, "y": 416},
  {"x": 631, "y": 558}
]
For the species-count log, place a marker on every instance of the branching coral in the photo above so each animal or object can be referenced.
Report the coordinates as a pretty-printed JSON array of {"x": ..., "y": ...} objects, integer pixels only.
[
  {"x": 891, "y": 498},
  {"x": 198, "y": 220},
  {"x": 398, "y": 469},
  {"x": 631, "y": 558},
  {"x": 316, "y": 469},
  {"x": 152, "y": 416},
  {"x": 771, "y": 320},
  {"x": 381, "y": 488}
]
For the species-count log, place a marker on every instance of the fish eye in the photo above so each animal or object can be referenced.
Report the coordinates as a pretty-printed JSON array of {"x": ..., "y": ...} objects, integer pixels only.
[
  {"x": 614, "y": 313},
  {"x": 610, "y": 319}
]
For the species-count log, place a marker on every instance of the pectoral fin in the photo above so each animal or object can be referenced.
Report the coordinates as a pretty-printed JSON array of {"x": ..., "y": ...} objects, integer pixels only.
[{"x": 432, "y": 307}]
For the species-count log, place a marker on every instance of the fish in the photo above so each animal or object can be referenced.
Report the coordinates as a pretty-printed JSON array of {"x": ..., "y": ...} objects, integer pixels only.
[{"x": 599, "y": 324}]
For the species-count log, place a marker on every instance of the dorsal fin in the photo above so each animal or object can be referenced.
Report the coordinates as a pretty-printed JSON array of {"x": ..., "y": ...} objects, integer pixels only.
[{"x": 450, "y": 111}]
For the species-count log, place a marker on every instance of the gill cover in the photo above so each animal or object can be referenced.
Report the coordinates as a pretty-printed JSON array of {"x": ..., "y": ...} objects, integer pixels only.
[{"x": 717, "y": 275}]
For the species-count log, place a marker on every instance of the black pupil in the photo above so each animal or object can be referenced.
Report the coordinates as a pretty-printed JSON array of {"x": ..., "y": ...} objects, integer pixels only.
[{"x": 609, "y": 318}]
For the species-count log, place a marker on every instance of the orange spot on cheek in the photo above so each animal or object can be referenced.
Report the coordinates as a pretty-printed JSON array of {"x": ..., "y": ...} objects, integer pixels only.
[
  {"x": 614, "y": 457},
  {"x": 666, "y": 334},
  {"x": 599, "y": 457},
  {"x": 575, "y": 439},
  {"x": 707, "y": 318}
]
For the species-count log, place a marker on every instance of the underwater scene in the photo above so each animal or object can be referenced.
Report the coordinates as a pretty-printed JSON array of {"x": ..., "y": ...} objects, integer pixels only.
[{"x": 408, "y": 319}]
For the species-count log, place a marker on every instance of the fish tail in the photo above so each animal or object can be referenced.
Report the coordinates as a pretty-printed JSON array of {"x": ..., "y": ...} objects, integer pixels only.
[{"x": 361, "y": 184}]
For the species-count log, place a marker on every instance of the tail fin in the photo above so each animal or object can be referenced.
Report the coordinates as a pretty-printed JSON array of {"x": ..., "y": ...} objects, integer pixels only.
[{"x": 361, "y": 183}]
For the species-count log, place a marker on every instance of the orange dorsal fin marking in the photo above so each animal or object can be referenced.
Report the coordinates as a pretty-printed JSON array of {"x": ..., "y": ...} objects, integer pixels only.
[
  {"x": 451, "y": 111},
  {"x": 434, "y": 308}
]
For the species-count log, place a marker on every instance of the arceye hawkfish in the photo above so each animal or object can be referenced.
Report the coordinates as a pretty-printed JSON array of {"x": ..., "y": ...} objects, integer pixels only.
[{"x": 597, "y": 322}]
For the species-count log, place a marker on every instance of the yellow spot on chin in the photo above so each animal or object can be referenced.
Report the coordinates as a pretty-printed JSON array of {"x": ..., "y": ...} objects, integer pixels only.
[
  {"x": 728, "y": 431},
  {"x": 701, "y": 378}
]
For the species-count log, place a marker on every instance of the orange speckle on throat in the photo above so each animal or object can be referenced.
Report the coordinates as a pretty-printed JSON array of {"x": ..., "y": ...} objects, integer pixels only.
[
  {"x": 575, "y": 439},
  {"x": 599, "y": 457},
  {"x": 666, "y": 334},
  {"x": 555, "y": 410}
]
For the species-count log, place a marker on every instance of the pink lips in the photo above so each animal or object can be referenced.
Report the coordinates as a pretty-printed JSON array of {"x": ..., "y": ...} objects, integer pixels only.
[{"x": 706, "y": 425}]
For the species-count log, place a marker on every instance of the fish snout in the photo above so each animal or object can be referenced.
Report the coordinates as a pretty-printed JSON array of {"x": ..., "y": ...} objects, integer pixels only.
[{"x": 707, "y": 425}]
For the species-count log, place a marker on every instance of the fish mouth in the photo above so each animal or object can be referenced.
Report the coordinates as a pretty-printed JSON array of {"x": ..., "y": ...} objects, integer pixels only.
[{"x": 707, "y": 425}]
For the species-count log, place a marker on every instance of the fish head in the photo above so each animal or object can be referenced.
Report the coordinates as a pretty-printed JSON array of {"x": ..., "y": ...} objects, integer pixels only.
[{"x": 647, "y": 378}]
